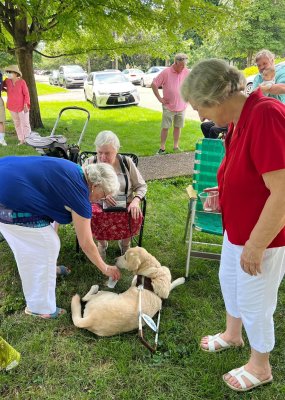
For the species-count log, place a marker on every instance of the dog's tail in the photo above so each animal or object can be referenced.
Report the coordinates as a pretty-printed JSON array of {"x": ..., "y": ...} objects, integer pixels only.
[
  {"x": 76, "y": 313},
  {"x": 177, "y": 282}
]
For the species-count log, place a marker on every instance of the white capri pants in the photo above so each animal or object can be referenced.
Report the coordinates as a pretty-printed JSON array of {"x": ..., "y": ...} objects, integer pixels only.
[
  {"x": 252, "y": 298},
  {"x": 36, "y": 251}
]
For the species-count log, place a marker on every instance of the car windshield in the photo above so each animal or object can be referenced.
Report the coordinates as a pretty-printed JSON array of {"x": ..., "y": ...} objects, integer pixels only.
[
  {"x": 110, "y": 78},
  {"x": 74, "y": 68}
]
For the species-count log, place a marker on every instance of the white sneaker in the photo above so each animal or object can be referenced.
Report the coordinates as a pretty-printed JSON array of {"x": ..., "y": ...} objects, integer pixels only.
[{"x": 2, "y": 142}]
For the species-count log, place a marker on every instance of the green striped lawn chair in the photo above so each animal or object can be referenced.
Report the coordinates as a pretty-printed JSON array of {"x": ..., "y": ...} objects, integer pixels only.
[{"x": 208, "y": 156}]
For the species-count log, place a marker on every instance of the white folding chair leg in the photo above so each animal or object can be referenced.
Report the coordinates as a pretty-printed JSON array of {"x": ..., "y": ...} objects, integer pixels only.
[
  {"x": 187, "y": 222},
  {"x": 193, "y": 211}
]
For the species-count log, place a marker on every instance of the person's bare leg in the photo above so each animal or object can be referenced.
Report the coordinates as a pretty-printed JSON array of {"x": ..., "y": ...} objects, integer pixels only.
[
  {"x": 102, "y": 247},
  {"x": 124, "y": 245},
  {"x": 176, "y": 137},
  {"x": 258, "y": 365},
  {"x": 2, "y": 134},
  {"x": 231, "y": 335},
  {"x": 163, "y": 137}
]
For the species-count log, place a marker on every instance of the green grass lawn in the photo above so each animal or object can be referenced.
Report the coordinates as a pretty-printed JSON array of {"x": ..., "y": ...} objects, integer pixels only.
[
  {"x": 62, "y": 362},
  {"x": 138, "y": 128},
  {"x": 45, "y": 88}
]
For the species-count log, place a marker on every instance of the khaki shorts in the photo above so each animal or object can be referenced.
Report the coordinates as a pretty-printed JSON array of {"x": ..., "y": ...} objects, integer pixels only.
[
  {"x": 172, "y": 117},
  {"x": 2, "y": 111}
]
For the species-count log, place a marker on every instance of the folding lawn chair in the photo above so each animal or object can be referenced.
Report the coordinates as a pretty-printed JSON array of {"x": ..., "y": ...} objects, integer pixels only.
[
  {"x": 83, "y": 157},
  {"x": 208, "y": 156}
]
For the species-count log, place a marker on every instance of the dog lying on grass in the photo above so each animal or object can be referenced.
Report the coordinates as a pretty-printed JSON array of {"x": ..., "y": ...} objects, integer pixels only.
[{"x": 107, "y": 313}]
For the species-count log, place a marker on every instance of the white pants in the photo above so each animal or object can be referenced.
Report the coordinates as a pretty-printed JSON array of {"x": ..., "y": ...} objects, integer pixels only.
[
  {"x": 36, "y": 251},
  {"x": 22, "y": 124},
  {"x": 252, "y": 298}
]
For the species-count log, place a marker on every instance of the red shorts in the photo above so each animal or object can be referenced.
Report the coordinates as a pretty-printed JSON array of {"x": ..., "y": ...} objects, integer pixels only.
[{"x": 113, "y": 225}]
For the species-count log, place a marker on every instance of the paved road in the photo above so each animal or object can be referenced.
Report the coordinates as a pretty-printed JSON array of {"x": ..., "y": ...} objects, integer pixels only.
[{"x": 148, "y": 100}]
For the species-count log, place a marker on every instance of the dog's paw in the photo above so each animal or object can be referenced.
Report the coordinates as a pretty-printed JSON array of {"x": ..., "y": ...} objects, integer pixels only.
[{"x": 94, "y": 289}]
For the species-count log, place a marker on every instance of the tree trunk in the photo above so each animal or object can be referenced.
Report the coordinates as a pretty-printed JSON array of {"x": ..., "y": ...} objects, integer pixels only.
[
  {"x": 24, "y": 55},
  {"x": 249, "y": 58}
]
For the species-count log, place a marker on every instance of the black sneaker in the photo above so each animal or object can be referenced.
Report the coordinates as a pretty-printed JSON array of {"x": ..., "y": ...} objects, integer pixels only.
[{"x": 160, "y": 152}]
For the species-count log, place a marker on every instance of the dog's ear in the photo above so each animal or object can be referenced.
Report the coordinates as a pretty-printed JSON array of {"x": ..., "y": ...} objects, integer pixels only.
[
  {"x": 162, "y": 282},
  {"x": 133, "y": 260}
]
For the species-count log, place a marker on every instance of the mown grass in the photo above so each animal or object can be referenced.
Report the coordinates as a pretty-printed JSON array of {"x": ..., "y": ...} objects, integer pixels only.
[
  {"x": 45, "y": 88},
  {"x": 138, "y": 128},
  {"x": 61, "y": 362}
]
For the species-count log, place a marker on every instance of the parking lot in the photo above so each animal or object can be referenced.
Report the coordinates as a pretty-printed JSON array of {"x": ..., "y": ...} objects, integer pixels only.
[{"x": 147, "y": 98}]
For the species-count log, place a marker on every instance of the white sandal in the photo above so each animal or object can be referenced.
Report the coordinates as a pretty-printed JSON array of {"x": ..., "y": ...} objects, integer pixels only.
[
  {"x": 240, "y": 374},
  {"x": 217, "y": 338}
]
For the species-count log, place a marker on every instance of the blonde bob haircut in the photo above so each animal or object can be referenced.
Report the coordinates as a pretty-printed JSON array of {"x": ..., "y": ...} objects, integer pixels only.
[
  {"x": 104, "y": 175},
  {"x": 211, "y": 82}
]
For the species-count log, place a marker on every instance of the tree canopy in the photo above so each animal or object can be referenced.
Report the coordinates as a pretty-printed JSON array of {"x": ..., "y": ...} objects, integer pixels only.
[{"x": 112, "y": 28}]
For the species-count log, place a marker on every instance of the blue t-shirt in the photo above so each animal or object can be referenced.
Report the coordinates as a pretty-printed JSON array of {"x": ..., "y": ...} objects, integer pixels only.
[
  {"x": 43, "y": 186},
  {"x": 279, "y": 78}
]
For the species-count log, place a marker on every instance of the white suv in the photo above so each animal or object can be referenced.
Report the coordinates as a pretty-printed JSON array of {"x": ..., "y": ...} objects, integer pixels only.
[{"x": 71, "y": 75}]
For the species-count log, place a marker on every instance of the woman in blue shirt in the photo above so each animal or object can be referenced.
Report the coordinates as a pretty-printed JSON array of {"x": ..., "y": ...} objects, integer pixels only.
[{"x": 34, "y": 192}]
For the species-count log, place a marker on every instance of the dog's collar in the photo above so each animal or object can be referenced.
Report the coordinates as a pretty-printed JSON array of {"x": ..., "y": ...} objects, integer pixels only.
[{"x": 146, "y": 282}]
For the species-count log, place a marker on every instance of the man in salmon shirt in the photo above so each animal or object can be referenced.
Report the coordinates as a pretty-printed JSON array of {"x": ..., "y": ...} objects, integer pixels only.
[{"x": 173, "y": 107}]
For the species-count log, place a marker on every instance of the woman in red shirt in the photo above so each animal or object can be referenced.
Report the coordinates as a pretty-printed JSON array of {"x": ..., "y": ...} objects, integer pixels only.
[
  {"x": 251, "y": 183},
  {"x": 18, "y": 101}
]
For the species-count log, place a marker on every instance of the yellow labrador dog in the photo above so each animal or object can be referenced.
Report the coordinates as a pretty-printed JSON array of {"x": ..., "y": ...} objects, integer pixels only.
[{"x": 107, "y": 313}]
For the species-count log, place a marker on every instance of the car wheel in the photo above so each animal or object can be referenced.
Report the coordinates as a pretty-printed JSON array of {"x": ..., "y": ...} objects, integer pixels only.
[
  {"x": 65, "y": 85},
  {"x": 94, "y": 101},
  {"x": 248, "y": 88},
  {"x": 85, "y": 95},
  {"x": 142, "y": 83}
]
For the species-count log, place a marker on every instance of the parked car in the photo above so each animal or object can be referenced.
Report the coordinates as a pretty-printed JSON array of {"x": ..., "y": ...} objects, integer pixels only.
[
  {"x": 71, "y": 75},
  {"x": 107, "y": 89},
  {"x": 53, "y": 78},
  {"x": 112, "y": 70},
  {"x": 134, "y": 75},
  {"x": 152, "y": 73},
  {"x": 249, "y": 79}
]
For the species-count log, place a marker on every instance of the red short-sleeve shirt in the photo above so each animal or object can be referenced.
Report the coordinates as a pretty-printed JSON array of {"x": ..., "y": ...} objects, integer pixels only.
[{"x": 257, "y": 147}]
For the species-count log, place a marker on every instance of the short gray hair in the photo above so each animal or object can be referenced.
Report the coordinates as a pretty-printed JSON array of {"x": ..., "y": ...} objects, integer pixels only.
[
  {"x": 264, "y": 53},
  {"x": 107, "y": 137},
  {"x": 104, "y": 175},
  {"x": 179, "y": 56},
  {"x": 212, "y": 81}
]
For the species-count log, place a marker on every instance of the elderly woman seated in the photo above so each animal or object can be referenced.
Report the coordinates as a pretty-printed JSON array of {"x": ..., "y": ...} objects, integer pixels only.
[{"x": 117, "y": 225}]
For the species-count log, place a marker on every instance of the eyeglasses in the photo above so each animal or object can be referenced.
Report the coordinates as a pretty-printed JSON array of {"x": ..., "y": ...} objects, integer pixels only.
[{"x": 182, "y": 59}]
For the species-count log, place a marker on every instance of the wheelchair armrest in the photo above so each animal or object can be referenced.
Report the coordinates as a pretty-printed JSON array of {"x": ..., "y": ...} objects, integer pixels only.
[{"x": 192, "y": 193}]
